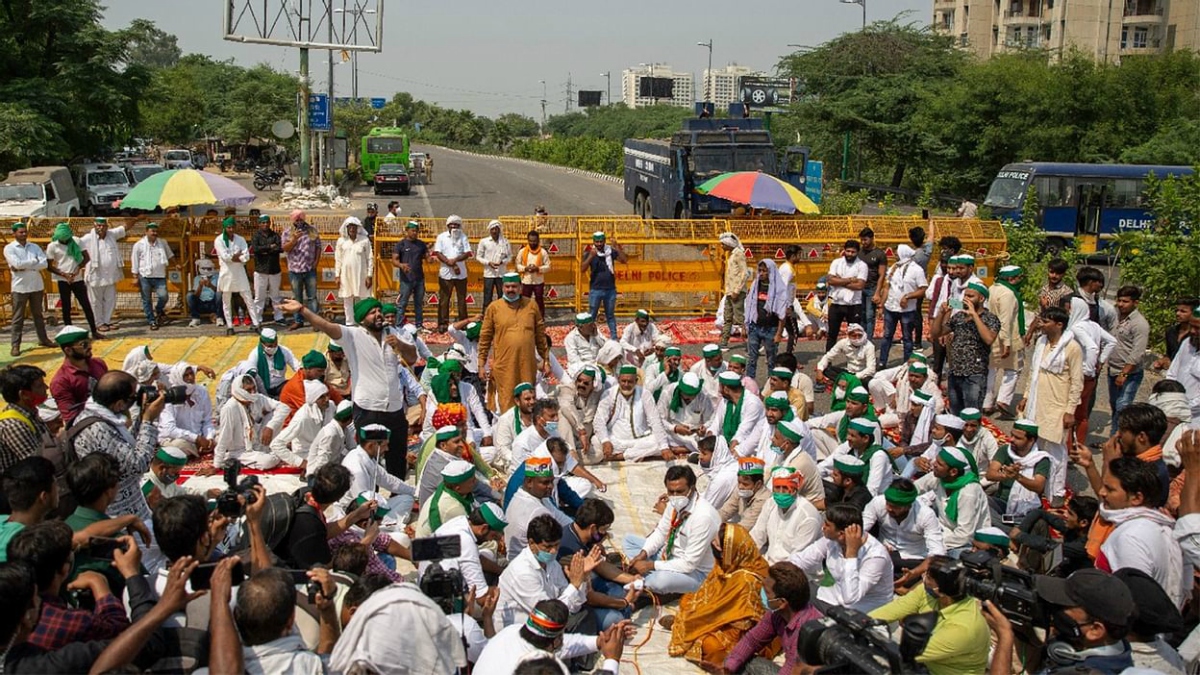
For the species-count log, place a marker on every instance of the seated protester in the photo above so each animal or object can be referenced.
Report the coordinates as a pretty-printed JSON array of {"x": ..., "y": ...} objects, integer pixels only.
[
  {"x": 710, "y": 365},
  {"x": 484, "y": 524},
  {"x": 447, "y": 387},
  {"x": 337, "y": 372},
  {"x": 1021, "y": 471},
  {"x": 945, "y": 432},
  {"x": 572, "y": 482},
  {"x": 351, "y": 560},
  {"x": 532, "y": 500},
  {"x": 578, "y": 398},
  {"x": 737, "y": 365},
  {"x": 334, "y": 440},
  {"x": 265, "y": 614},
  {"x": 609, "y": 359},
  {"x": 582, "y": 344},
  {"x": 637, "y": 339},
  {"x": 536, "y": 575},
  {"x": 46, "y": 547},
  {"x": 684, "y": 411},
  {"x": 992, "y": 540},
  {"x": 788, "y": 523},
  {"x": 545, "y": 632},
  {"x": 512, "y": 423},
  {"x": 271, "y": 361},
  {"x": 607, "y": 598},
  {"x": 160, "y": 482},
  {"x": 368, "y": 474},
  {"x": 435, "y": 454},
  {"x": 544, "y": 425},
  {"x": 858, "y": 353},
  {"x": 752, "y": 494},
  {"x": 862, "y": 441},
  {"x": 454, "y": 497},
  {"x": 845, "y": 483},
  {"x": 363, "y": 588},
  {"x": 859, "y": 565},
  {"x": 786, "y": 591},
  {"x": 1156, "y": 616},
  {"x": 658, "y": 354},
  {"x": 306, "y": 542},
  {"x": 142, "y": 644},
  {"x": 915, "y": 426},
  {"x": 188, "y": 426},
  {"x": 977, "y": 438},
  {"x": 628, "y": 424},
  {"x": 312, "y": 369},
  {"x": 740, "y": 417},
  {"x": 369, "y": 641},
  {"x": 660, "y": 373},
  {"x": 779, "y": 382},
  {"x": 465, "y": 334},
  {"x": 800, "y": 383},
  {"x": 776, "y": 408},
  {"x": 1139, "y": 535},
  {"x": 907, "y": 528},
  {"x": 295, "y": 441},
  {"x": 954, "y": 492},
  {"x": 893, "y": 389},
  {"x": 834, "y": 425},
  {"x": 677, "y": 555},
  {"x": 711, "y": 621},
  {"x": 960, "y": 639},
  {"x": 1072, "y": 521},
  {"x": 372, "y": 542},
  {"x": 792, "y": 446},
  {"x": 244, "y": 431}
]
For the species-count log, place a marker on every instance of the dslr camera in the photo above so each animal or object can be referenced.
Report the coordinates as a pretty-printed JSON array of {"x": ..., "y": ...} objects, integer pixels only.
[
  {"x": 444, "y": 586},
  {"x": 174, "y": 395},
  {"x": 228, "y": 502},
  {"x": 1009, "y": 589}
]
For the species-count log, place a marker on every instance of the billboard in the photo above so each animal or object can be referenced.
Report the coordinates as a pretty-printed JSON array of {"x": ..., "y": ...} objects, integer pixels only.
[
  {"x": 589, "y": 99},
  {"x": 766, "y": 92},
  {"x": 656, "y": 87}
]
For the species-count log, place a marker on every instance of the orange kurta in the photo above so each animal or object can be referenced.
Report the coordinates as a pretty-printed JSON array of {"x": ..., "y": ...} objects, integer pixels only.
[
  {"x": 512, "y": 336},
  {"x": 292, "y": 394}
]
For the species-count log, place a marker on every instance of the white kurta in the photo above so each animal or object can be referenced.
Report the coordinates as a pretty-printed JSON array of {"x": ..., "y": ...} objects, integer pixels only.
[
  {"x": 916, "y": 537},
  {"x": 634, "y": 339},
  {"x": 276, "y": 378},
  {"x": 780, "y": 533},
  {"x": 861, "y": 583},
  {"x": 105, "y": 266},
  {"x": 328, "y": 446},
  {"x": 632, "y": 425},
  {"x": 368, "y": 475},
  {"x": 232, "y": 277},
  {"x": 522, "y": 508},
  {"x": 582, "y": 349},
  {"x": 751, "y": 426},
  {"x": 525, "y": 444},
  {"x": 973, "y": 511},
  {"x": 525, "y": 582},
  {"x": 710, "y": 386},
  {"x": 468, "y": 560},
  {"x": 354, "y": 264},
  {"x": 504, "y": 432},
  {"x": 240, "y": 431},
  {"x": 188, "y": 421},
  {"x": 693, "y": 542},
  {"x": 694, "y": 414}
]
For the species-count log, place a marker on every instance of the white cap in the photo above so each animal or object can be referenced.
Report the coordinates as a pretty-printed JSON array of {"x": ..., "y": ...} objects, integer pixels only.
[
  {"x": 454, "y": 220},
  {"x": 950, "y": 421},
  {"x": 494, "y": 224}
]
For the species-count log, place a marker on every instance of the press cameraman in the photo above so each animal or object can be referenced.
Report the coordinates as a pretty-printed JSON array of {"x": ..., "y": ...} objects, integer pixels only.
[
  {"x": 959, "y": 641},
  {"x": 1090, "y": 613}
]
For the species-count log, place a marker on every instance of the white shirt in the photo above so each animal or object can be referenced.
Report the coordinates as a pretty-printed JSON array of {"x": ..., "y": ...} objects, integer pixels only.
[
  {"x": 692, "y": 553},
  {"x": 782, "y": 534},
  {"x": 468, "y": 560},
  {"x": 694, "y": 414},
  {"x": 709, "y": 385},
  {"x": 916, "y": 537},
  {"x": 860, "y": 361},
  {"x": 1148, "y": 544},
  {"x": 616, "y": 416},
  {"x": 525, "y": 444},
  {"x": 904, "y": 278},
  {"x": 581, "y": 349},
  {"x": 328, "y": 447},
  {"x": 373, "y": 382},
  {"x": 490, "y": 252},
  {"x": 368, "y": 475},
  {"x": 57, "y": 254},
  {"x": 1103, "y": 341},
  {"x": 470, "y": 349},
  {"x": 275, "y": 378},
  {"x": 973, "y": 511},
  {"x": 1185, "y": 369},
  {"x": 293, "y": 443},
  {"x": 750, "y": 427},
  {"x": 188, "y": 421},
  {"x": 452, "y": 245},
  {"x": 862, "y": 583},
  {"x": 104, "y": 264},
  {"x": 504, "y": 432},
  {"x": 522, "y": 508},
  {"x": 840, "y": 295},
  {"x": 525, "y": 583},
  {"x": 26, "y": 263},
  {"x": 505, "y": 649},
  {"x": 634, "y": 339},
  {"x": 150, "y": 260}
]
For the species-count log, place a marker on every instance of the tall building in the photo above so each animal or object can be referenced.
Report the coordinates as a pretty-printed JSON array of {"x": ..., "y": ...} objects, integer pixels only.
[
  {"x": 723, "y": 86},
  {"x": 682, "y": 95},
  {"x": 1104, "y": 29}
]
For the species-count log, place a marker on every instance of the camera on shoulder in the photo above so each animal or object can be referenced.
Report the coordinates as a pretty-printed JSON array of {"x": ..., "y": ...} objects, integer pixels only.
[
  {"x": 238, "y": 492},
  {"x": 445, "y": 586}
]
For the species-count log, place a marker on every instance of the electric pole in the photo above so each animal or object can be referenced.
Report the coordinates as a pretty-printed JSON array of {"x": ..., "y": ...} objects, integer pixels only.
[{"x": 567, "y": 107}]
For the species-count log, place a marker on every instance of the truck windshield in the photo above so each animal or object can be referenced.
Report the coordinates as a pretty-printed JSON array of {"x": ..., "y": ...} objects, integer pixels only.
[
  {"x": 755, "y": 161},
  {"x": 107, "y": 178},
  {"x": 13, "y": 193},
  {"x": 705, "y": 165}
]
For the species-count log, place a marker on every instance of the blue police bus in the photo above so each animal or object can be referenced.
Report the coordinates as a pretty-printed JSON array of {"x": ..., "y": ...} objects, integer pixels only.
[{"x": 1088, "y": 202}]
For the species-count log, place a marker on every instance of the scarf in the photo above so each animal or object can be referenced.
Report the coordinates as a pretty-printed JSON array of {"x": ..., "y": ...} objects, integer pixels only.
[
  {"x": 175, "y": 378},
  {"x": 676, "y": 400},
  {"x": 1054, "y": 363},
  {"x": 844, "y": 423},
  {"x": 637, "y": 410},
  {"x": 1103, "y": 526},
  {"x": 924, "y": 424},
  {"x": 1016, "y": 291},
  {"x": 839, "y": 401},
  {"x": 122, "y": 425},
  {"x": 245, "y": 400},
  {"x": 606, "y": 254},
  {"x": 1020, "y": 499},
  {"x": 526, "y": 251},
  {"x": 677, "y": 520},
  {"x": 277, "y": 363},
  {"x": 733, "y": 418},
  {"x": 435, "y": 512},
  {"x": 517, "y": 428},
  {"x": 952, "y": 489},
  {"x": 440, "y": 385},
  {"x": 777, "y": 298},
  {"x": 63, "y": 235}
]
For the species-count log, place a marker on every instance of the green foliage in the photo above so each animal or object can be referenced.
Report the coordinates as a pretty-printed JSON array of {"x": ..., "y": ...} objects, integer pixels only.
[
  {"x": 1028, "y": 249},
  {"x": 150, "y": 46},
  {"x": 617, "y": 122},
  {"x": 835, "y": 202},
  {"x": 589, "y": 154}
]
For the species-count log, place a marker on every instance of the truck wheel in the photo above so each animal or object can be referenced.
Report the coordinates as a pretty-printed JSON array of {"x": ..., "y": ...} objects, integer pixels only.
[
  {"x": 1055, "y": 246},
  {"x": 637, "y": 203}
]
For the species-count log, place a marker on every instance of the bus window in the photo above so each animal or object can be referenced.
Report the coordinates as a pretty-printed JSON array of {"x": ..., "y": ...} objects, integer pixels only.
[
  {"x": 1051, "y": 190},
  {"x": 1127, "y": 193}
]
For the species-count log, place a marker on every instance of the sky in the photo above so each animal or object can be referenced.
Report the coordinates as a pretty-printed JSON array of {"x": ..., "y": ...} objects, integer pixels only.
[{"x": 490, "y": 57}]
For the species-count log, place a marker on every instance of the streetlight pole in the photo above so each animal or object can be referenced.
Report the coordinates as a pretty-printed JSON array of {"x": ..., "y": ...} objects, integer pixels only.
[
  {"x": 707, "y": 73},
  {"x": 543, "y": 106},
  {"x": 327, "y": 146},
  {"x": 608, "y": 79},
  {"x": 864, "y": 9}
]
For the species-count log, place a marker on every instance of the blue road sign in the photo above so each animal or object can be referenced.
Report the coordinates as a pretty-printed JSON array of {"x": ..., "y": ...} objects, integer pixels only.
[
  {"x": 378, "y": 103},
  {"x": 814, "y": 174},
  {"x": 318, "y": 112}
]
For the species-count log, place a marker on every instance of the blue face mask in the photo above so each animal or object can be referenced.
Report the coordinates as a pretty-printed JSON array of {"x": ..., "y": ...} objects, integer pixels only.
[
  {"x": 512, "y": 298},
  {"x": 552, "y": 428},
  {"x": 762, "y": 595},
  {"x": 544, "y": 557}
]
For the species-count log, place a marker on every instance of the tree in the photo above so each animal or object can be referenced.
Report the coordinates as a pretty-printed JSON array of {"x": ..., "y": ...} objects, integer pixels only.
[{"x": 150, "y": 46}]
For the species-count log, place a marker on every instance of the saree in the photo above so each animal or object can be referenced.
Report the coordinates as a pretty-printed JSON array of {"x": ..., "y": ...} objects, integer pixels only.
[{"x": 727, "y": 605}]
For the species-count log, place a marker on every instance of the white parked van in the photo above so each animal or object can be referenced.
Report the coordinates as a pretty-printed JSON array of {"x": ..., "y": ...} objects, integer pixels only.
[
  {"x": 39, "y": 192},
  {"x": 177, "y": 159}
]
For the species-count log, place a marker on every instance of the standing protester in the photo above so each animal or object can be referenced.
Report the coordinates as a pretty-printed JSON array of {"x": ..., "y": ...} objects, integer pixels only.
[
  {"x": 1054, "y": 390},
  {"x": 409, "y": 255},
  {"x": 787, "y": 273},
  {"x": 513, "y": 337},
  {"x": 1005, "y": 301},
  {"x": 149, "y": 261},
  {"x": 1185, "y": 367},
  {"x": 968, "y": 336},
  {"x": 765, "y": 308},
  {"x": 493, "y": 252},
  {"x": 903, "y": 286},
  {"x": 368, "y": 223},
  {"x": 74, "y": 381},
  {"x": 873, "y": 293},
  {"x": 302, "y": 244},
  {"x": 452, "y": 248},
  {"x": 26, "y": 260},
  {"x": 924, "y": 250},
  {"x": 847, "y": 278},
  {"x": 939, "y": 292},
  {"x": 603, "y": 282},
  {"x": 1090, "y": 286},
  {"x": 1125, "y": 364},
  {"x": 393, "y": 211},
  {"x": 233, "y": 252},
  {"x": 533, "y": 262},
  {"x": 265, "y": 246},
  {"x": 66, "y": 260},
  {"x": 353, "y": 266},
  {"x": 1054, "y": 290},
  {"x": 1177, "y": 333},
  {"x": 736, "y": 276},
  {"x": 103, "y": 271}
]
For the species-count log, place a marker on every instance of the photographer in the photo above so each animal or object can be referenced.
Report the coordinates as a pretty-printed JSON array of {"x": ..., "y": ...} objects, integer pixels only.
[
  {"x": 959, "y": 642},
  {"x": 103, "y": 426},
  {"x": 1157, "y": 616}
]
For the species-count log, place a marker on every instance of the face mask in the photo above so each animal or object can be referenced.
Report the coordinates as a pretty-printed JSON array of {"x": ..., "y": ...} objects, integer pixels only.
[
  {"x": 597, "y": 538},
  {"x": 37, "y": 399},
  {"x": 512, "y": 297},
  {"x": 552, "y": 428},
  {"x": 706, "y": 465},
  {"x": 784, "y": 500},
  {"x": 169, "y": 478},
  {"x": 544, "y": 557},
  {"x": 679, "y": 502},
  {"x": 270, "y": 351},
  {"x": 762, "y": 595},
  {"x": 776, "y": 449},
  {"x": 745, "y": 494}
]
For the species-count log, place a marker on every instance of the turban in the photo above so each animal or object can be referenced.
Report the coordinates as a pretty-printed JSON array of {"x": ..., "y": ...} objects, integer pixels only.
[
  {"x": 363, "y": 307},
  {"x": 314, "y": 359}
]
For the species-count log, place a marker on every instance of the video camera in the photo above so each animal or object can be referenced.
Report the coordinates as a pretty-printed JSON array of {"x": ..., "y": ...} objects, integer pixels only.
[
  {"x": 1009, "y": 589},
  {"x": 845, "y": 641},
  {"x": 228, "y": 502},
  {"x": 444, "y": 586}
]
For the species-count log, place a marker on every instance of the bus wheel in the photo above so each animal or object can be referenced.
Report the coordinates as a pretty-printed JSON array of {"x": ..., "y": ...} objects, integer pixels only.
[{"x": 1055, "y": 246}]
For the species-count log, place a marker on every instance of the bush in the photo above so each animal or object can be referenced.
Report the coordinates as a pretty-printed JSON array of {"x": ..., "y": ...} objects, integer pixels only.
[{"x": 588, "y": 154}]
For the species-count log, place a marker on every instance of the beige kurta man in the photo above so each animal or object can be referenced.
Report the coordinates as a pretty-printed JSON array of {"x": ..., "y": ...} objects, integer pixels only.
[{"x": 513, "y": 336}]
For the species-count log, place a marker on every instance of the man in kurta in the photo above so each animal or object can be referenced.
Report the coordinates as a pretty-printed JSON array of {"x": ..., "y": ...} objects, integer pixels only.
[
  {"x": 684, "y": 412},
  {"x": 232, "y": 253},
  {"x": 583, "y": 343},
  {"x": 104, "y": 269},
  {"x": 627, "y": 422},
  {"x": 1005, "y": 302},
  {"x": 513, "y": 337},
  {"x": 453, "y": 498},
  {"x": 1054, "y": 389},
  {"x": 740, "y": 416},
  {"x": 736, "y": 276}
]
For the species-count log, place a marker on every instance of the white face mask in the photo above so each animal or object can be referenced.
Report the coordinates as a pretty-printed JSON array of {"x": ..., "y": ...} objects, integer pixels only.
[
  {"x": 745, "y": 494},
  {"x": 679, "y": 502},
  {"x": 270, "y": 351}
]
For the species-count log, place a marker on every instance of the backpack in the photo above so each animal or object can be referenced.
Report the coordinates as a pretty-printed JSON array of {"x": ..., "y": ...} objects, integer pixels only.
[{"x": 62, "y": 455}]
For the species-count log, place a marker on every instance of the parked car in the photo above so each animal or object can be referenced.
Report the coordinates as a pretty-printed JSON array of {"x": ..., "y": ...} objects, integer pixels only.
[
  {"x": 177, "y": 159},
  {"x": 39, "y": 192},
  {"x": 100, "y": 185},
  {"x": 392, "y": 178},
  {"x": 140, "y": 172}
]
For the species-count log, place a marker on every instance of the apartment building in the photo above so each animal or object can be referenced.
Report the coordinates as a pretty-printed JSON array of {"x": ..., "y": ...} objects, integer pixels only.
[
  {"x": 683, "y": 93},
  {"x": 723, "y": 86}
]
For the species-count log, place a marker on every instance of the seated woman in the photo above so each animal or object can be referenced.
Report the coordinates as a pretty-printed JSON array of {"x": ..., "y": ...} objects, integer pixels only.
[{"x": 729, "y": 603}]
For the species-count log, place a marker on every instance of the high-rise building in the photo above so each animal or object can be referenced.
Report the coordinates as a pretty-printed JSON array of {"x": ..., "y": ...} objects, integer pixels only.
[
  {"x": 723, "y": 86},
  {"x": 683, "y": 93},
  {"x": 1104, "y": 29}
]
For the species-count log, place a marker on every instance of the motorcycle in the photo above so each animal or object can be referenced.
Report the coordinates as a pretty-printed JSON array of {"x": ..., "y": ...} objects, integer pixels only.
[{"x": 264, "y": 178}]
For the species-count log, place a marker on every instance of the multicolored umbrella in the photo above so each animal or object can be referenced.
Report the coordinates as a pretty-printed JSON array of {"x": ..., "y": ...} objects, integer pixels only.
[
  {"x": 186, "y": 187},
  {"x": 758, "y": 190}
]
